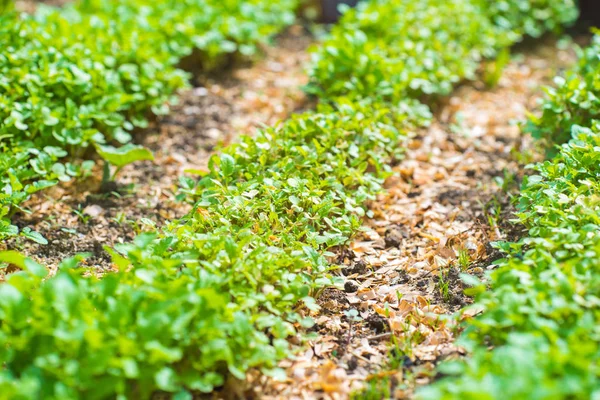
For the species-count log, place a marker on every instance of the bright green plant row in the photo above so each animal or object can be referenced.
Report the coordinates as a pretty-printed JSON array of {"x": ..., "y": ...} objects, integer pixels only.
[
  {"x": 575, "y": 99},
  {"x": 542, "y": 314},
  {"x": 85, "y": 76},
  {"x": 216, "y": 293},
  {"x": 533, "y": 18},
  {"x": 393, "y": 49},
  {"x": 221, "y": 290}
]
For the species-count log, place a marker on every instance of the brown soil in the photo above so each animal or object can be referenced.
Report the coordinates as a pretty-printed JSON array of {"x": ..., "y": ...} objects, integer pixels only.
[
  {"x": 402, "y": 275},
  {"x": 77, "y": 217}
]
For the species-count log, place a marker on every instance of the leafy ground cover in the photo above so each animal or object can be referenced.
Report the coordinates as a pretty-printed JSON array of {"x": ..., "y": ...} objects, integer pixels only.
[
  {"x": 573, "y": 100},
  {"x": 87, "y": 75},
  {"x": 78, "y": 216},
  {"x": 216, "y": 291},
  {"x": 541, "y": 315},
  {"x": 392, "y": 323},
  {"x": 377, "y": 52},
  {"x": 219, "y": 291}
]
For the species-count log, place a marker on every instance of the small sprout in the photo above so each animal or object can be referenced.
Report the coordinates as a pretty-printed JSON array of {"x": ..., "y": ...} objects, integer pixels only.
[{"x": 464, "y": 259}]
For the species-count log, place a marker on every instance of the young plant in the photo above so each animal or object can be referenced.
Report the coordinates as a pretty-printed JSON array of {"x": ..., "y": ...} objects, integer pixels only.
[
  {"x": 120, "y": 157},
  {"x": 464, "y": 259},
  {"x": 494, "y": 69},
  {"x": 443, "y": 286}
]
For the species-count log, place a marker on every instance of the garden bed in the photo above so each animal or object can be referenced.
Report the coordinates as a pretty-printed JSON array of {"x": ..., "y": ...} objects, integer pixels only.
[{"x": 227, "y": 288}]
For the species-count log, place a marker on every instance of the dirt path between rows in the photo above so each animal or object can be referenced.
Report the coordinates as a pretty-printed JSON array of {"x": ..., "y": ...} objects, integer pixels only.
[
  {"x": 443, "y": 206},
  {"x": 76, "y": 218}
]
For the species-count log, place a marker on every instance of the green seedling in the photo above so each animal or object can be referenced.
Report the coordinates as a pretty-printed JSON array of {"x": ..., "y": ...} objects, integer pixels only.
[
  {"x": 120, "y": 157},
  {"x": 495, "y": 69},
  {"x": 83, "y": 217},
  {"x": 464, "y": 259},
  {"x": 443, "y": 286}
]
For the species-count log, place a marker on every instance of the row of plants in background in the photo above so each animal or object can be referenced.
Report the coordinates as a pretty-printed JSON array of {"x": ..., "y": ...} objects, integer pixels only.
[
  {"x": 573, "y": 100},
  {"x": 85, "y": 76},
  {"x": 532, "y": 18},
  {"x": 221, "y": 290},
  {"x": 542, "y": 314},
  {"x": 391, "y": 50}
]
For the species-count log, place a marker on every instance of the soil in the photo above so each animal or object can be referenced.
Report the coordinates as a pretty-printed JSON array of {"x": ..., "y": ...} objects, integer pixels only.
[
  {"x": 82, "y": 217},
  {"x": 446, "y": 202}
]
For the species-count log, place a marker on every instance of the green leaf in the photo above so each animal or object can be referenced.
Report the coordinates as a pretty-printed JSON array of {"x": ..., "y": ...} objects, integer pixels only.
[
  {"x": 227, "y": 164},
  {"x": 165, "y": 379},
  {"x": 124, "y": 155},
  {"x": 33, "y": 235},
  {"x": 13, "y": 257},
  {"x": 39, "y": 185}
]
